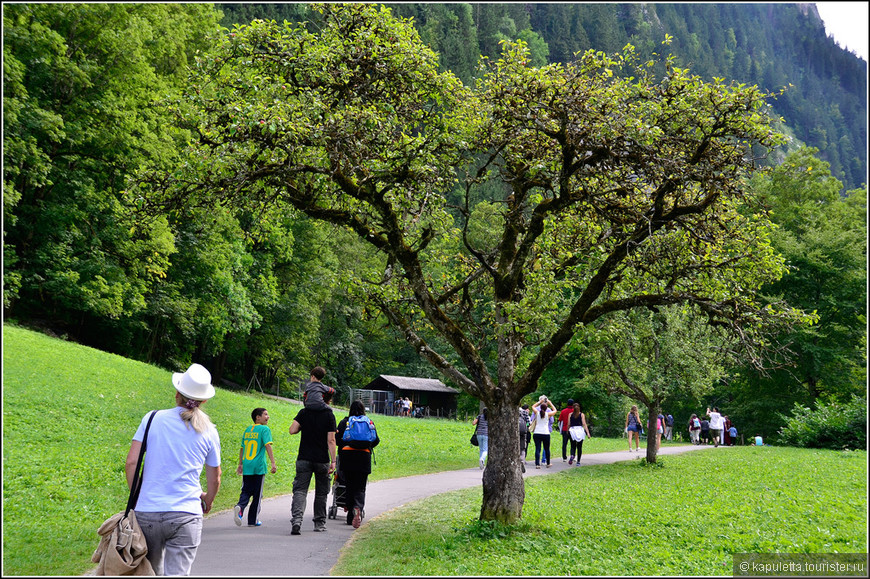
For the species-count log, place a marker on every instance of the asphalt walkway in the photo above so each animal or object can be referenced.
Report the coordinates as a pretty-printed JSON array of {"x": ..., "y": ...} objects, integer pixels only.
[{"x": 270, "y": 550}]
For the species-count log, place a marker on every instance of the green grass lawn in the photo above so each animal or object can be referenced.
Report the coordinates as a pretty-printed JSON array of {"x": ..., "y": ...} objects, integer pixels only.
[
  {"x": 686, "y": 517},
  {"x": 69, "y": 413}
]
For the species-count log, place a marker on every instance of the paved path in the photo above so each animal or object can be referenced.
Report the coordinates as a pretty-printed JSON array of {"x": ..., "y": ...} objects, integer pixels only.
[{"x": 270, "y": 550}]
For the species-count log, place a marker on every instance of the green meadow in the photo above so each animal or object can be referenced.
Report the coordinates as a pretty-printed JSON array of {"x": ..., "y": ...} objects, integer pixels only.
[{"x": 69, "y": 413}]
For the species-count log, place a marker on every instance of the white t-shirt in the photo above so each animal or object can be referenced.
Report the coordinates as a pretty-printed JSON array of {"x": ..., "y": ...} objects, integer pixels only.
[
  {"x": 715, "y": 421},
  {"x": 174, "y": 458}
]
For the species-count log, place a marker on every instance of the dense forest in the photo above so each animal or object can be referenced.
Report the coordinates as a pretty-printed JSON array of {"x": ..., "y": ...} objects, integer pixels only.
[{"x": 260, "y": 299}]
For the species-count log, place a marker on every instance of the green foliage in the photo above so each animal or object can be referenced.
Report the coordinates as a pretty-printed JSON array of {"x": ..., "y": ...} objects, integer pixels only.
[
  {"x": 833, "y": 425},
  {"x": 595, "y": 520},
  {"x": 79, "y": 84},
  {"x": 822, "y": 237}
]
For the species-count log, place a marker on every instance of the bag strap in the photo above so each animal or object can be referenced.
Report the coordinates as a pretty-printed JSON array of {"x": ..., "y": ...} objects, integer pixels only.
[{"x": 137, "y": 479}]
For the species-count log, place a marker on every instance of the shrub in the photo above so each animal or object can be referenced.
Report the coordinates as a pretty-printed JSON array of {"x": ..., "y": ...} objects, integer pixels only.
[{"x": 831, "y": 425}]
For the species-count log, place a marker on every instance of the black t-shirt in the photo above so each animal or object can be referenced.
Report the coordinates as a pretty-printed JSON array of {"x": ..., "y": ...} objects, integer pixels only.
[{"x": 315, "y": 425}]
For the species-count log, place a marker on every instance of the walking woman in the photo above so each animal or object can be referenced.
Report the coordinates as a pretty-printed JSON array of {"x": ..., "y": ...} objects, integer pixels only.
[
  {"x": 171, "y": 502},
  {"x": 482, "y": 437},
  {"x": 355, "y": 464},
  {"x": 541, "y": 429},
  {"x": 577, "y": 420},
  {"x": 632, "y": 426}
]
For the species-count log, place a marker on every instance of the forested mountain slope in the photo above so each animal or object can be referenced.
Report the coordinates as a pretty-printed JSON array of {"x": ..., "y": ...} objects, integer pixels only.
[{"x": 772, "y": 45}]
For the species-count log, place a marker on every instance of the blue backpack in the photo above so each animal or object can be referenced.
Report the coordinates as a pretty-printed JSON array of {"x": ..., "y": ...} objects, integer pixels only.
[{"x": 359, "y": 429}]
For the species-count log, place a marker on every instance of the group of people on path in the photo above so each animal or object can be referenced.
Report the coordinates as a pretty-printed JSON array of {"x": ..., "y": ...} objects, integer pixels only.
[
  {"x": 182, "y": 441},
  {"x": 717, "y": 430},
  {"x": 537, "y": 425}
]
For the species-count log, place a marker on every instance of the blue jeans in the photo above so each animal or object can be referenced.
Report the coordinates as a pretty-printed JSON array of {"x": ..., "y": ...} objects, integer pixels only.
[
  {"x": 173, "y": 538},
  {"x": 542, "y": 440},
  {"x": 483, "y": 445},
  {"x": 304, "y": 470}
]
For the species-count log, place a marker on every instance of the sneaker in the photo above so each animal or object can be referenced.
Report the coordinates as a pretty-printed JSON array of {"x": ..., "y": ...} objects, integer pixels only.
[
  {"x": 320, "y": 529},
  {"x": 571, "y": 460},
  {"x": 357, "y": 518},
  {"x": 537, "y": 466},
  {"x": 296, "y": 530},
  {"x": 549, "y": 465},
  {"x": 482, "y": 464},
  {"x": 257, "y": 524},
  {"x": 565, "y": 460},
  {"x": 523, "y": 465},
  {"x": 238, "y": 512}
]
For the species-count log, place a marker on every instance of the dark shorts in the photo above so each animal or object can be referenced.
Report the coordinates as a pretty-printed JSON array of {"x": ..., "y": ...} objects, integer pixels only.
[{"x": 634, "y": 428}]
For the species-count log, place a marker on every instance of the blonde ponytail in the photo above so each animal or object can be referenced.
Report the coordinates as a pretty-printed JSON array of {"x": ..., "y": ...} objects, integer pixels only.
[{"x": 193, "y": 415}]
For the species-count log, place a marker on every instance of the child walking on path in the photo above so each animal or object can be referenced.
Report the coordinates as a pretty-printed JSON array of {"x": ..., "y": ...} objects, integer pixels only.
[{"x": 256, "y": 444}]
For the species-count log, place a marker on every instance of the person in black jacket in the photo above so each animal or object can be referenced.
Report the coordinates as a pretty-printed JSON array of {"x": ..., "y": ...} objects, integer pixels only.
[{"x": 355, "y": 466}]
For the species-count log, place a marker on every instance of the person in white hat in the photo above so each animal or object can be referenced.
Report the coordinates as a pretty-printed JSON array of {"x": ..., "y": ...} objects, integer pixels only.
[{"x": 171, "y": 503}]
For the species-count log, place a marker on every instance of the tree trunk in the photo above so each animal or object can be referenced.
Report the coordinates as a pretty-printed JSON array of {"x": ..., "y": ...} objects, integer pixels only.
[
  {"x": 503, "y": 487},
  {"x": 651, "y": 432}
]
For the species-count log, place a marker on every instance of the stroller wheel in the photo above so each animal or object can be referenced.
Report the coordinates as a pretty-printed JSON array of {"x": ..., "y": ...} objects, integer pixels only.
[{"x": 332, "y": 512}]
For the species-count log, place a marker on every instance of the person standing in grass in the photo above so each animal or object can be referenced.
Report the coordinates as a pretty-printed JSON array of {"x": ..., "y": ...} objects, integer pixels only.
[
  {"x": 181, "y": 441},
  {"x": 541, "y": 429},
  {"x": 355, "y": 465},
  {"x": 482, "y": 431},
  {"x": 256, "y": 444},
  {"x": 577, "y": 419},
  {"x": 632, "y": 427}
]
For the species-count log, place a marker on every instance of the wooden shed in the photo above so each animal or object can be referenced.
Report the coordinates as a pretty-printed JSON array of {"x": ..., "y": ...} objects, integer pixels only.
[{"x": 431, "y": 397}]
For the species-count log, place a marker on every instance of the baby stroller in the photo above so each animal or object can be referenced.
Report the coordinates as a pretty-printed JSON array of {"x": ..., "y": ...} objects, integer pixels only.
[{"x": 339, "y": 496}]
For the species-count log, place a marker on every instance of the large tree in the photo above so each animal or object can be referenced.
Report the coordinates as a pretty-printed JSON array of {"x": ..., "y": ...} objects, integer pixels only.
[{"x": 583, "y": 190}]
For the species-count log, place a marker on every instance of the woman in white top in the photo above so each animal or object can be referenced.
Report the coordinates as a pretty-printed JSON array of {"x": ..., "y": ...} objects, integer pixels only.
[
  {"x": 171, "y": 503},
  {"x": 541, "y": 429}
]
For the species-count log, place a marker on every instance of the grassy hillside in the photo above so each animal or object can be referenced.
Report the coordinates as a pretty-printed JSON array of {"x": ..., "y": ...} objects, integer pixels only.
[{"x": 69, "y": 413}]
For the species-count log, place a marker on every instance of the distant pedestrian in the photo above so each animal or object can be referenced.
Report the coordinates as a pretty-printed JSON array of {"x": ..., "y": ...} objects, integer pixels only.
[
  {"x": 482, "y": 432},
  {"x": 525, "y": 432},
  {"x": 316, "y": 456},
  {"x": 669, "y": 427},
  {"x": 315, "y": 390},
  {"x": 564, "y": 418},
  {"x": 181, "y": 441},
  {"x": 355, "y": 464},
  {"x": 732, "y": 433},
  {"x": 577, "y": 420},
  {"x": 705, "y": 431},
  {"x": 256, "y": 444},
  {"x": 716, "y": 424},
  {"x": 726, "y": 430},
  {"x": 541, "y": 429},
  {"x": 660, "y": 429},
  {"x": 633, "y": 428},
  {"x": 695, "y": 429}
]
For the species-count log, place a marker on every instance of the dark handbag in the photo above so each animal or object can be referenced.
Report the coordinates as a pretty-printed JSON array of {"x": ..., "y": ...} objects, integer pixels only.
[{"x": 474, "y": 439}]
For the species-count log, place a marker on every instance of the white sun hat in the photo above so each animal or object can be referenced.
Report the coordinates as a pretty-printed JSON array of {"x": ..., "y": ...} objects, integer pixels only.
[{"x": 195, "y": 383}]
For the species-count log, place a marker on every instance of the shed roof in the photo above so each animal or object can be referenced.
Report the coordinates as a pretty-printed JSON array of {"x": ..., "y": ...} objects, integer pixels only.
[{"x": 422, "y": 384}]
